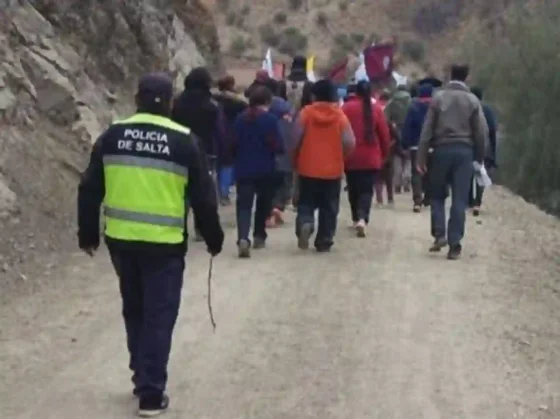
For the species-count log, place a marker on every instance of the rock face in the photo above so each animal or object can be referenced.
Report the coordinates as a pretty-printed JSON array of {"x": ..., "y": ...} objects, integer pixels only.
[{"x": 67, "y": 68}]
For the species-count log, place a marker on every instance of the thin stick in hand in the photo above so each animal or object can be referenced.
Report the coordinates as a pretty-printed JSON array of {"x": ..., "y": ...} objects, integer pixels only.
[{"x": 210, "y": 293}]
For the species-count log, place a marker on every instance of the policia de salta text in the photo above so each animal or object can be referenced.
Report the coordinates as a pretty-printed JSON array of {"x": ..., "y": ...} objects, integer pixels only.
[{"x": 147, "y": 170}]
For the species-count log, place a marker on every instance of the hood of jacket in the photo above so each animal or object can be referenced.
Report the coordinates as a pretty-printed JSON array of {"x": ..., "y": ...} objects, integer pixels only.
[
  {"x": 425, "y": 91},
  {"x": 198, "y": 79},
  {"x": 226, "y": 94},
  {"x": 280, "y": 107},
  {"x": 323, "y": 113},
  {"x": 401, "y": 95}
]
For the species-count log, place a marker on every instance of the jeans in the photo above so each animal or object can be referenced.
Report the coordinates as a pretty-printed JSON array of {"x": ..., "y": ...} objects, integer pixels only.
[
  {"x": 385, "y": 178},
  {"x": 322, "y": 195},
  {"x": 417, "y": 180},
  {"x": 150, "y": 286},
  {"x": 401, "y": 171},
  {"x": 225, "y": 180},
  {"x": 360, "y": 193},
  {"x": 452, "y": 164},
  {"x": 284, "y": 192},
  {"x": 263, "y": 188}
]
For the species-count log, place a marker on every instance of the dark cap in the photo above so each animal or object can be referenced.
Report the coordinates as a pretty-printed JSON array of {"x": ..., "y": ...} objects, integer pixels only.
[{"x": 154, "y": 89}]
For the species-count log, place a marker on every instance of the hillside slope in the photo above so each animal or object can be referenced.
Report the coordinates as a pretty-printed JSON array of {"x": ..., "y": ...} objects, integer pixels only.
[
  {"x": 67, "y": 68},
  {"x": 425, "y": 29}
]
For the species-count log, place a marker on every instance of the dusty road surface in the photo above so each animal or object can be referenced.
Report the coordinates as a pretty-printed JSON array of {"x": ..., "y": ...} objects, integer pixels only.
[{"x": 377, "y": 329}]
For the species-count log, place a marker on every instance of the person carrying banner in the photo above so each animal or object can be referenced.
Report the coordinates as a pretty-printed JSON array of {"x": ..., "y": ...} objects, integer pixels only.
[{"x": 456, "y": 128}]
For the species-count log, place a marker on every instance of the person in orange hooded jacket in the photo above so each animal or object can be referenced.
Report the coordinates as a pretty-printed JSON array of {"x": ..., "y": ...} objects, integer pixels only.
[{"x": 323, "y": 139}]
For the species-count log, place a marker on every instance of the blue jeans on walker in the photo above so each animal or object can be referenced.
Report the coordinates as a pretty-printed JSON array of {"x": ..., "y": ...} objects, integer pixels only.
[{"x": 225, "y": 180}]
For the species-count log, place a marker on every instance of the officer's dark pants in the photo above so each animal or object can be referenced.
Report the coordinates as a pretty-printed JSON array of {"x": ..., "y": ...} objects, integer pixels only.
[
  {"x": 322, "y": 195},
  {"x": 452, "y": 165},
  {"x": 360, "y": 193},
  {"x": 150, "y": 285}
]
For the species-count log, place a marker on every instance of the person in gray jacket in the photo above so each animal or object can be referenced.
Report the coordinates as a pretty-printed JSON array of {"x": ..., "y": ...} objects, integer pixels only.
[{"x": 455, "y": 127}]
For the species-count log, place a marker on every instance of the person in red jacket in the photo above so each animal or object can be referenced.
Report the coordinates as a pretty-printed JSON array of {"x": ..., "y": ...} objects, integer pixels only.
[{"x": 373, "y": 142}]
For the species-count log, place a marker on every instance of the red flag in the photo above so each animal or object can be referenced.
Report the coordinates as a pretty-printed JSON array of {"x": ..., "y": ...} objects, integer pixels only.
[
  {"x": 338, "y": 72},
  {"x": 379, "y": 61}
]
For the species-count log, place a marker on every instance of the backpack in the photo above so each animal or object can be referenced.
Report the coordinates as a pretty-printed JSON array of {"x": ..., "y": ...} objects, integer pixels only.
[{"x": 294, "y": 92}]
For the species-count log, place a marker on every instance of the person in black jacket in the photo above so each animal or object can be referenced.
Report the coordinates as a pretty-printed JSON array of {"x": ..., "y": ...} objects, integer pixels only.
[
  {"x": 233, "y": 105},
  {"x": 196, "y": 109},
  {"x": 475, "y": 197},
  {"x": 143, "y": 170}
]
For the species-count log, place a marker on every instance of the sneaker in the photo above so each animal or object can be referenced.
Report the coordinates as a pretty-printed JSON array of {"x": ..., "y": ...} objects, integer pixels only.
[
  {"x": 150, "y": 407},
  {"x": 323, "y": 249},
  {"x": 417, "y": 208},
  {"x": 379, "y": 205},
  {"x": 244, "y": 249},
  {"x": 361, "y": 228},
  {"x": 259, "y": 243},
  {"x": 439, "y": 244},
  {"x": 304, "y": 236},
  {"x": 476, "y": 211},
  {"x": 454, "y": 252}
]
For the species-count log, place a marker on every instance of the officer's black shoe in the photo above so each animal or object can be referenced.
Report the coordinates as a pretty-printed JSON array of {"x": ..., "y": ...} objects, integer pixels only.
[{"x": 151, "y": 406}]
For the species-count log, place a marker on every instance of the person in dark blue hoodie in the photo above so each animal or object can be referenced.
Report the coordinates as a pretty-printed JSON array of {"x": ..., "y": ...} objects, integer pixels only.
[
  {"x": 410, "y": 136},
  {"x": 257, "y": 144},
  {"x": 282, "y": 109},
  {"x": 475, "y": 197}
]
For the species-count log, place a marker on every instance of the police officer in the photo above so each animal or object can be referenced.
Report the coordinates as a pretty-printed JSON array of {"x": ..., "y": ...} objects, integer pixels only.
[{"x": 145, "y": 169}]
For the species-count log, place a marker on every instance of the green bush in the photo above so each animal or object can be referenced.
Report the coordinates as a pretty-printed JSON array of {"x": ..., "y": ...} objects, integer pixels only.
[
  {"x": 295, "y": 4},
  {"x": 280, "y": 18},
  {"x": 269, "y": 36},
  {"x": 519, "y": 66},
  {"x": 322, "y": 19},
  {"x": 414, "y": 49},
  {"x": 292, "y": 41},
  {"x": 358, "y": 38},
  {"x": 245, "y": 10},
  {"x": 231, "y": 18},
  {"x": 238, "y": 46},
  {"x": 344, "y": 42}
]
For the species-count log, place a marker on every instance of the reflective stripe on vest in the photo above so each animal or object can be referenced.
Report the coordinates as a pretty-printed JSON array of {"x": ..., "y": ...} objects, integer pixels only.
[{"x": 145, "y": 196}]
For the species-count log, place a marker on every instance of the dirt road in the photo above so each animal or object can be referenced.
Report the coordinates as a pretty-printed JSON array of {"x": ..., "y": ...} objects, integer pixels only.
[{"x": 377, "y": 329}]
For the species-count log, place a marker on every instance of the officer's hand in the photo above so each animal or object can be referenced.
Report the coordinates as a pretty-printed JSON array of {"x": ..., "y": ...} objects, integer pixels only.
[
  {"x": 422, "y": 169},
  {"x": 89, "y": 250},
  {"x": 214, "y": 251}
]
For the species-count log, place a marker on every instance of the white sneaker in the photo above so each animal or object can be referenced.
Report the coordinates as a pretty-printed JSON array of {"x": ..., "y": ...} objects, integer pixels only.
[{"x": 361, "y": 228}]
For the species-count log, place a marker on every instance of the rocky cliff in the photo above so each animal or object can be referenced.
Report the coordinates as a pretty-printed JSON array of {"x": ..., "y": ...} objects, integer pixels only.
[{"x": 67, "y": 68}]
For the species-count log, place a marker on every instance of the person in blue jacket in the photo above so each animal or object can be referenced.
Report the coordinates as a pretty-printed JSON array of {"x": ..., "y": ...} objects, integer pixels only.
[
  {"x": 410, "y": 136},
  {"x": 284, "y": 111},
  {"x": 475, "y": 197}
]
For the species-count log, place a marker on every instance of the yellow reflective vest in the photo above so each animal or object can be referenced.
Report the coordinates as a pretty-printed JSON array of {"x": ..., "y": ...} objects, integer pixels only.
[{"x": 146, "y": 181}]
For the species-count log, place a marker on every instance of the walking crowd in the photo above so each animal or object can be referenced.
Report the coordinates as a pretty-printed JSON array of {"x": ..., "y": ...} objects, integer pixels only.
[{"x": 284, "y": 144}]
